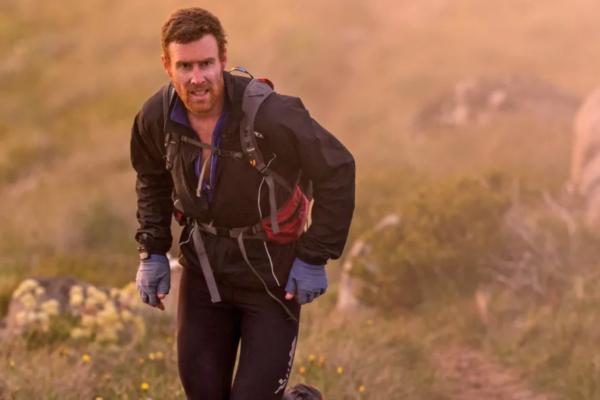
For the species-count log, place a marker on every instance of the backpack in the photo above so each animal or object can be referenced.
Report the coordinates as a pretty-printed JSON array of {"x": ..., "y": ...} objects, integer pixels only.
[{"x": 284, "y": 224}]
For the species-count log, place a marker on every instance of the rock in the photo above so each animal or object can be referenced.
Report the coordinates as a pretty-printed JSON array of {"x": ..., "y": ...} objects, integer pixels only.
[
  {"x": 347, "y": 300},
  {"x": 478, "y": 100},
  {"x": 585, "y": 162}
]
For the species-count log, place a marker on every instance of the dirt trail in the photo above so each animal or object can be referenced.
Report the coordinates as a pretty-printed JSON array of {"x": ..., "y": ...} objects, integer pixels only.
[{"x": 470, "y": 375}]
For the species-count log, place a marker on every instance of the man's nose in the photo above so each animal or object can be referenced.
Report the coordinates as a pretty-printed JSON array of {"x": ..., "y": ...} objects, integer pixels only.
[{"x": 197, "y": 75}]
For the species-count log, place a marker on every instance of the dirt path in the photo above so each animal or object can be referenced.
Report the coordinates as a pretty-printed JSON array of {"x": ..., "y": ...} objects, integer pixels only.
[{"x": 470, "y": 375}]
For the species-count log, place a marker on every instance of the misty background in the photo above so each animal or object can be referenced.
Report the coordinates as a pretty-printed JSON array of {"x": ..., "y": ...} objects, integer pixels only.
[{"x": 460, "y": 114}]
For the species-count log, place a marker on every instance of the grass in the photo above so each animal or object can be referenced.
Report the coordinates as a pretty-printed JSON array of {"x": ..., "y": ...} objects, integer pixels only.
[
  {"x": 551, "y": 342},
  {"x": 359, "y": 356},
  {"x": 362, "y": 355}
]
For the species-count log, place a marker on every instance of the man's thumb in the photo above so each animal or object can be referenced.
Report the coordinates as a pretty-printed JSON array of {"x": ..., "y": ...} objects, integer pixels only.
[{"x": 290, "y": 289}]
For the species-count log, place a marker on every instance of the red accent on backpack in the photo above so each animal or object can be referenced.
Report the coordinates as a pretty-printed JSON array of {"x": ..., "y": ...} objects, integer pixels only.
[
  {"x": 291, "y": 217},
  {"x": 267, "y": 81}
]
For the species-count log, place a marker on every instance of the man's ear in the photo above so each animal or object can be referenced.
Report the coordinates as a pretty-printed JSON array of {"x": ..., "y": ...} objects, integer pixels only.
[{"x": 166, "y": 62}]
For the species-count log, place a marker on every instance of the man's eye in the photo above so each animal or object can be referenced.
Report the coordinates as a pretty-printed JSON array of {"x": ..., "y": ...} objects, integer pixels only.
[
  {"x": 185, "y": 65},
  {"x": 206, "y": 63}
]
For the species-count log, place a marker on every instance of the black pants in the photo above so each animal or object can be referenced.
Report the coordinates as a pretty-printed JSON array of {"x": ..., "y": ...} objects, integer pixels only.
[{"x": 209, "y": 334}]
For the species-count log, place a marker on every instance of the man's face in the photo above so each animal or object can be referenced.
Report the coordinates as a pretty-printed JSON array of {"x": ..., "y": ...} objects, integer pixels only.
[{"x": 196, "y": 71}]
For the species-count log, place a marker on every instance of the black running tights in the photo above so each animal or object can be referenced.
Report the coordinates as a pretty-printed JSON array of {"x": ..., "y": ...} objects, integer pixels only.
[{"x": 209, "y": 334}]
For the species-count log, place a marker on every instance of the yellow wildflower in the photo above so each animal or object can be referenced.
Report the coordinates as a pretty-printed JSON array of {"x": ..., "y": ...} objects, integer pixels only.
[
  {"x": 107, "y": 334},
  {"x": 90, "y": 302},
  {"x": 88, "y": 321},
  {"x": 369, "y": 322},
  {"x": 26, "y": 286},
  {"x": 76, "y": 289},
  {"x": 28, "y": 301},
  {"x": 361, "y": 389},
  {"x": 86, "y": 358},
  {"x": 75, "y": 296},
  {"x": 129, "y": 297},
  {"x": 31, "y": 317},
  {"x": 63, "y": 351},
  {"x": 139, "y": 325},
  {"x": 311, "y": 358},
  {"x": 11, "y": 362},
  {"x": 126, "y": 315},
  {"x": 78, "y": 333},
  {"x": 50, "y": 307},
  {"x": 156, "y": 356},
  {"x": 98, "y": 295},
  {"x": 302, "y": 370},
  {"x": 339, "y": 370},
  {"x": 38, "y": 291},
  {"x": 109, "y": 312},
  {"x": 321, "y": 361},
  {"x": 145, "y": 386}
]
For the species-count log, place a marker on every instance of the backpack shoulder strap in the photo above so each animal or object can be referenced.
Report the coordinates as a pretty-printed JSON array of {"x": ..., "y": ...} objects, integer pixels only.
[
  {"x": 168, "y": 94},
  {"x": 255, "y": 94},
  {"x": 257, "y": 91}
]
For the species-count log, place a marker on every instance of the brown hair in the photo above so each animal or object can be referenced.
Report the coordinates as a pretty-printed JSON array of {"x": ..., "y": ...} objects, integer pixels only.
[{"x": 189, "y": 24}]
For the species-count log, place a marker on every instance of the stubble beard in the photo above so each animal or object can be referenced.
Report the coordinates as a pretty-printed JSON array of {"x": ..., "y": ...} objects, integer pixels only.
[{"x": 203, "y": 99}]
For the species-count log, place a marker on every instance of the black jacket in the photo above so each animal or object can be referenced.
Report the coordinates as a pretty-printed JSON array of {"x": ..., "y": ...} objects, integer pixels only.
[{"x": 291, "y": 139}]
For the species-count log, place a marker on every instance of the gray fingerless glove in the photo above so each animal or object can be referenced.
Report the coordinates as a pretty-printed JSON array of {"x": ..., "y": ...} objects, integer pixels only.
[
  {"x": 306, "y": 281},
  {"x": 153, "y": 277}
]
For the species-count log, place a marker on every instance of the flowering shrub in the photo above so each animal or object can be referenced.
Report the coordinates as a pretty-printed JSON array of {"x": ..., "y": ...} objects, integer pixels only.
[{"x": 102, "y": 315}]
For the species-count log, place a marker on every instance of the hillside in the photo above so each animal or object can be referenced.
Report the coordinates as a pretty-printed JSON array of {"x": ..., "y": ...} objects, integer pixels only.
[{"x": 74, "y": 75}]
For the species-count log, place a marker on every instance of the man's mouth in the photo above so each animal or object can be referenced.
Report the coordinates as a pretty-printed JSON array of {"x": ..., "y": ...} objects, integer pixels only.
[{"x": 199, "y": 93}]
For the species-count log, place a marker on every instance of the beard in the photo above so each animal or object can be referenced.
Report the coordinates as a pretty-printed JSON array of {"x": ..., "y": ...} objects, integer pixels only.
[{"x": 203, "y": 99}]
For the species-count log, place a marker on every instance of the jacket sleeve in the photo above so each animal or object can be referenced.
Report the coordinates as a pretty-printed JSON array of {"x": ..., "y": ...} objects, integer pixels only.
[
  {"x": 330, "y": 167},
  {"x": 153, "y": 186}
]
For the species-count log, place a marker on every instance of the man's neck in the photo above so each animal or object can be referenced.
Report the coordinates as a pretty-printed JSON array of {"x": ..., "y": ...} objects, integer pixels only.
[
  {"x": 208, "y": 117},
  {"x": 204, "y": 124}
]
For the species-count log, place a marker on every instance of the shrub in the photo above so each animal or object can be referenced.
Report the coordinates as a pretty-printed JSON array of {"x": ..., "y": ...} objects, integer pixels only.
[{"x": 443, "y": 244}]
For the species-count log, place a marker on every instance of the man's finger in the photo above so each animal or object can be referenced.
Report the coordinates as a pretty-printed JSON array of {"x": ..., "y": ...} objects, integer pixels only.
[
  {"x": 161, "y": 295},
  {"x": 164, "y": 284},
  {"x": 291, "y": 286},
  {"x": 152, "y": 298},
  {"x": 307, "y": 298},
  {"x": 289, "y": 296}
]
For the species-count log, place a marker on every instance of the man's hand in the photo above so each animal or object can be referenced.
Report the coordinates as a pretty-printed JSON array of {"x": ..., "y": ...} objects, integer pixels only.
[
  {"x": 153, "y": 280},
  {"x": 306, "y": 282}
]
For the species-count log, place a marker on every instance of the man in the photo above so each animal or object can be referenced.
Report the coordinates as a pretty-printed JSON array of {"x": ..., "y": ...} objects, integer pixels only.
[{"x": 247, "y": 267}]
